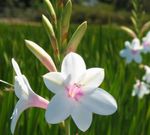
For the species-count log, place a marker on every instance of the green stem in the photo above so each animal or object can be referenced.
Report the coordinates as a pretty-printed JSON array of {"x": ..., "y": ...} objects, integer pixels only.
[{"x": 67, "y": 127}]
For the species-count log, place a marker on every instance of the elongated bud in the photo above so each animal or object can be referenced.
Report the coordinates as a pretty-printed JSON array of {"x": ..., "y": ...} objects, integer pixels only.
[
  {"x": 66, "y": 20},
  {"x": 51, "y": 10},
  {"x": 49, "y": 28},
  {"x": 129, "y": 31},
  {"x": 76, "y": 37},
  {"x": 145, "y": 27},
  {"x": 42, "y": 55}
]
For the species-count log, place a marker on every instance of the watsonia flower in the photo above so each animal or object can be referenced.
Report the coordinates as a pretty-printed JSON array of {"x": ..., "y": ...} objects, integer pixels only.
[
  {"x": 140, "y": 89},
  {"x": 27, "y": 98},
  {"x": 132, "y": 52},
  {"x": 77, "y": 93},
  {"x": 146, "y": 77},
  {"x": 146, "y": 43}
]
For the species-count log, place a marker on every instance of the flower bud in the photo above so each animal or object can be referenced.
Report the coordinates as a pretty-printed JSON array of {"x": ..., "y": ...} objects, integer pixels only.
[
  {"x": 42, "y": 55},
  {"x": 76, "y": 37},
  {"x": 49, "y": 28},
  {"x": 66, "y": 20},
  {"x": 51, "y": 10}
]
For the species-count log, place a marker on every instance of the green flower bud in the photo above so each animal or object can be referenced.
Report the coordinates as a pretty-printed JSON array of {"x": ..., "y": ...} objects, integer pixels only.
[
  {"x": 49, "y": 28},
  {"x": 66, "y": 19},
  {"x": 51, "y": 10}
]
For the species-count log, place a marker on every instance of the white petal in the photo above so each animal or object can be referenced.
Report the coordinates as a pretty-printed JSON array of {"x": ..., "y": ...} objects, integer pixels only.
[
  {"x": 138, "y": 58},
  {"x": 143, "y": 90},
  {"x": 26, "y": 82},
  {"x": 22, "y": 87},
  {"x": 128, "y": 60},
  {"x": 16, "y": 67},
  {"x": 19, "y": 108},
  {"x": 82, "y": 117},
  {"x": 21, "y": 90},
  {"x": 74, "y": 66},
  {"x": 58, "y": 109},
  {"x": 134, "y": 92},
  {"x": 124, "y": 53},
  {"x": 135, "y": 43},
  {"x": 91, "y": 79},
  {"x": 127, "y": 44},
  {"x": 100, "y": 102},
  {"x": 54, "y": 81}
]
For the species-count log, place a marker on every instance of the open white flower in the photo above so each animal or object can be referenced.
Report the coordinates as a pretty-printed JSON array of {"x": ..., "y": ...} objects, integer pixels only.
[
  {"x": 140, "y": 89},
  {"x": 132, "y": 51},
  {"x": 77, "y": 93},
  {"x": 146, "y": 43},
  {"x": 146, "y": 77},
  {"x": 27, "y": 98}
]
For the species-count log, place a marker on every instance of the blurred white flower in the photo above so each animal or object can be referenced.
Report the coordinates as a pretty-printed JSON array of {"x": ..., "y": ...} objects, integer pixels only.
[
  {"x": 146, "y": 43},
  {"x": 77, "y": 93},
  {"x": 146, "y": 77},
  {"x": 132, "y": 51},
  {"x": 27, "y": 98},
  {"x": 140, "y": 89}
]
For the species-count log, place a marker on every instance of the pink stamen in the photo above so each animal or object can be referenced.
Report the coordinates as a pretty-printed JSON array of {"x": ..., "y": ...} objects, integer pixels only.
[{"x": 74, "y": 91}]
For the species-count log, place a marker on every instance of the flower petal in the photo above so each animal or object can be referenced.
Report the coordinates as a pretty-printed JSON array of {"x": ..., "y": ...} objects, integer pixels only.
[
  {"x": 82, "y": 117},
  {"x": 59, "y": 109},
  {"x": 100, "y": 102},
  {"x": 19, "y": 108},
  {"x": 124, "y": 52},
  {"x": 54, "y": 81},
  {"x": 129, "y": 58},
  {"x": 21, "y": 90},
  {"x": 74, "y": 66},
  {"x": 91, "y": 79},
  {"x": 138, "y": 58},
  {"x": 16, "y": 67}
]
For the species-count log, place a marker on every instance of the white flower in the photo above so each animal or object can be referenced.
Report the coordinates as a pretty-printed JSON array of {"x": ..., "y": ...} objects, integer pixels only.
[
  {"x": 146, "y": 77},
  {"x": 132, "y": 51},
  {"x": 146, "y": 43},
  {"x": 77, "y": 93},
  {"x": 27, "y": 98},
  {"x": 140, "y": 89}
]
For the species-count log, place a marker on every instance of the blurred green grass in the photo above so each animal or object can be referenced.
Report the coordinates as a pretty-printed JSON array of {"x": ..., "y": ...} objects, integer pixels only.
[{"x": 100, "y": 48}]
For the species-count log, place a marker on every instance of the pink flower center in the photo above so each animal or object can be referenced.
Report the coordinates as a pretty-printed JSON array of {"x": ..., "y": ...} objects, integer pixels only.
[
  {"x": 74, "y": 91},
  {"x": 134, "y": 52},
  {"x": 146, "y": 44}
]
